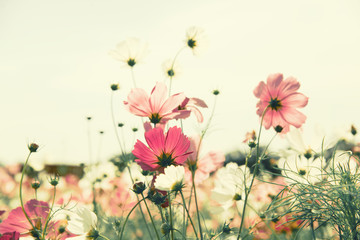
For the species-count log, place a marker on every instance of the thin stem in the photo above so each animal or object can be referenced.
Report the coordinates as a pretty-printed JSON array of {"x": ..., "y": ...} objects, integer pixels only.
[
  {"x": 127, "y": 217},
  {"x": 113, "y": 121},
  {"x": 312, "y": 229},
  {"x": 104, "y": 237},
  {"x": 48, "y": 217},
  {"x": 89, "y": 141},
  {"x": 20, "y": 193},
  {"x": 247, "y": 191},
  {"x": 133, "y": 77},
  {"x": 197, "y": 207},
  {"x": 151, "y": 218},
  {"x": 188, "y": 214},
  {"x": 172, "y": 68},
  {"x": 171, "y": 220}
]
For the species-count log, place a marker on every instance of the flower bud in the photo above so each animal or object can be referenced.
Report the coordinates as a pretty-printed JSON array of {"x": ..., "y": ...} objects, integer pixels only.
[
  {"x": 278, "y": 129},
  {"x": 165, "y": 228},
  {"x": 216, "y": 92},
  {"x": 353, "y": 130},
  {"x": 134, "y": 129},
  {"x": 35, "y": 185},
  {"x": 139, "y": 187},
  {"x": 33, "y": 147},
  {"x": 120, "y": 124},
  {"x": 252, "y": 144},
  {"x": 114, "y": 86}
]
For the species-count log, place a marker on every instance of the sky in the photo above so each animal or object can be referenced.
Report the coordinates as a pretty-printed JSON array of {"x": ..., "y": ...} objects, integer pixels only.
[{"x": 55, "y": 68}]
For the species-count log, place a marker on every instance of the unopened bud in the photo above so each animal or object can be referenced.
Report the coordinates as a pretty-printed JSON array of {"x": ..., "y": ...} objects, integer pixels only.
[
  {"x": 216, "y": 92},
  {"x": 353, "y": 130},
  {"x": 165, "y": 228},
  {"x": 114, "y": 86},
  {"x": 120, "y": 124},
  {"x": 278, "y": 129},
  {"x": 35, "y": 185},
  {"x": 33, "y": 147},
  {"x": 139, "y": 187},
  {"x": 134, "y": 129}
]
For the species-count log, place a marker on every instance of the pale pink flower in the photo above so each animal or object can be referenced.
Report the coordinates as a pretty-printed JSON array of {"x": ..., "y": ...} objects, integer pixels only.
[
  {"x": 204, "y": 165},
  {"x": 280, "y": 99},
  {"x": 158, "y": 107},
  {"x": 163, "y": 151},
  {"x": 192, "y": 104}
]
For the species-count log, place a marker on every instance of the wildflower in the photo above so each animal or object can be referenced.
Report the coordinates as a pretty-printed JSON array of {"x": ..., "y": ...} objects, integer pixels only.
[
  {"x": 83, "y": 223},
  {"x": 280, "y": 99},
  {"x": 230, "y": 185},
  {"x": 37, "y": 211},
  {"x": 158, "y": 108},
  {"x": 131, "y": 51},
  {"x": 171, "y": 69},
  {"x": 191, "y": 104},
  {"x": 204, "y": 165},
  {"x": 196, "y": 39},
  {"x": 163, "y": 151},
  {"x": 298, "y": 168},
  {"x": 171, "y": 180}
]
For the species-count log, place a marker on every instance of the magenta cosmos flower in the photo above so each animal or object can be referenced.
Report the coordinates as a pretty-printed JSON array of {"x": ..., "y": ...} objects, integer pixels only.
[
  {"x": 280, "y": 98},
  {"x": 163, "y": 150},
  {"x": 158, "y": 107}
]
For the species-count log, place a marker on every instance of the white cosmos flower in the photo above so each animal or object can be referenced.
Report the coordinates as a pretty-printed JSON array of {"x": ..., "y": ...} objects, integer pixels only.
[
  {"x": 344, "y": 160},
  {"x": 172, "y": 180},
  {"x": 298, "y": 168},
  {"x": 230, "y": 185},
  {"x": 83, "y": 223},
  {"x": 130, "y": 51},
  {"x": 171, "y": 69},
  {"x": 196, "y": 40}
]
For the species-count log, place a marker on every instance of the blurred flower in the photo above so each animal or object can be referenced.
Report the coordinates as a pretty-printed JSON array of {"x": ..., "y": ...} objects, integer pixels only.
[
  {"x": 204, "y": 165},
  {"x": 10, "y": 236},
  {"x": 230, "y": 185},
  {"x": 171, "y": 69},
  {"x": 298, "y": 168},
  {"x": 280, "y": 100},
  {"x": 171, "y": 180},
  {"x": 37, "y": 211},
  {"x": 158, "y": 108},
  {"x": 192, "y": 104},
  {"x": 130, "y": 51},
  {"x": 83, "y": 223},
  {"x": 196, "y": 40},
  {"x": 164, "y": 151}
]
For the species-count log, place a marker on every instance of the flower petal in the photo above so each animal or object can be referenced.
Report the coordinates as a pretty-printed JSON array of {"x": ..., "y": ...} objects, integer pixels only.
[{"x": 157, "y": 97}]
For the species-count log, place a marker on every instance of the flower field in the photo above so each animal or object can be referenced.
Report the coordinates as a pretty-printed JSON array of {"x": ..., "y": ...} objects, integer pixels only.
[{"x": 168, "y": 186}]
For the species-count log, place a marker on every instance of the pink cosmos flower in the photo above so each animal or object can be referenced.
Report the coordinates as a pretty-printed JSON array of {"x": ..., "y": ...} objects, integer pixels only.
[
  {"x": 158, "y": 108},
  {"x": 38, "y": 212},
  {"x": 16, "y": 221},
  {"x": 10, "y": 236},
  {"x": 280, "y": 98},
  {"x": 204, "y": 165},
  {"x": 192, "y": 104},
  {"x": 163, "y": 151}
]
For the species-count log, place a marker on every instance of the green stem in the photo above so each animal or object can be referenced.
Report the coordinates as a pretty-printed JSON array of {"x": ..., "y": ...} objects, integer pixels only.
[
  {"x": 20, "y": 193},
  {"x": 48, "y": 217},
  {"x": 247, "y": 191},
  {"x": 104, "y": 237},
  {"x": 188, "y": 214},
  {"x": 197, "y": 207},
  {"x": 171, "y": 220},
  {"x": 127, "y": 217},
  {"x": 151, "y": 218}
]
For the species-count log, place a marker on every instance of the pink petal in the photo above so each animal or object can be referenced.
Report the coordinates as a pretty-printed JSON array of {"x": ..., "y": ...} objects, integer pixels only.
[
  {"x": 198, "y": 102},
  {"x": 157, "y": 97},
  {"x": 273, "y": 81},
  {"x": 136, "y": 110},
  {"x": 258, "y": 91},
  {"x": 197, "y": 113},
  {"x": 156, "y": 140},
  {"x": 267, "y": 121},
  {"x": 178, "y": 114},
  {"x": 172, "y": 138},
  {"x": 293, "y": 116},
  {"x": 146, "y": 157},
  {"x": 179, "y": 160},
  {"x": 172, "y": 103},
  {"x": 139, "y": 99},
  {"x": 289, "y": 86},
  {"x": 295, "y": 100}
]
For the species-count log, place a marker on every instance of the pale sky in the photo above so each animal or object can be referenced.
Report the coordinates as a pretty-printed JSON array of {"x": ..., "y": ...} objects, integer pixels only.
[{"x": 55, "y": 69}]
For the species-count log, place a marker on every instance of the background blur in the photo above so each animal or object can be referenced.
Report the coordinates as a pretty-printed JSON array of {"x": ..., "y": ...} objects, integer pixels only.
[{"x": 55, "y": 69}]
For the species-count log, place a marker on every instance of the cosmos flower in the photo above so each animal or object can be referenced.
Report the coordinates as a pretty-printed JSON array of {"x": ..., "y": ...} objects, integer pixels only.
[
  {"x": 230, "y": 185},
  {"x": 83, "y": 223},
  {"x": 171, "y": 69},
  {"x": 298, "y": 168},
  {"x": 192, "y": 104},
  {"x": 37, "y": 211},
  {"x": 171, "y": 180},
  {"x": 280, "y": 99},
  {"x": 10, "y": 236},
  {"x": 130, "y": 52},
  {"x": 163, "y": 151},
  {"x": 204, "y": 165},
  {"x": 196, "y": 40},
  {"x": 158, "y": 108}
]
